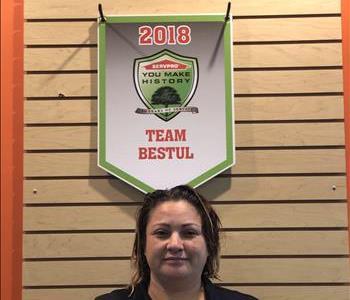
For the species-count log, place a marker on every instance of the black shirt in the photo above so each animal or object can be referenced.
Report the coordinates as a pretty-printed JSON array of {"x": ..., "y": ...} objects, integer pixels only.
[{"x": 212, "y": 292}]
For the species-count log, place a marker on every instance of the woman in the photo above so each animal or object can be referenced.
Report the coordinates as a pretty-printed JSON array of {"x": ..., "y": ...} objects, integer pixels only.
[{"x": 176, "y": 250}]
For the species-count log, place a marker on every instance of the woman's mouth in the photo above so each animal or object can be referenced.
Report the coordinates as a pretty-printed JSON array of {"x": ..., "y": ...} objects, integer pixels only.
[{"x": 175, "y": 261}]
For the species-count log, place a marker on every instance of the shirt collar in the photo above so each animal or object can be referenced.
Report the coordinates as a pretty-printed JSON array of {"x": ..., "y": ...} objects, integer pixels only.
[{"x": 141, "y": 291}]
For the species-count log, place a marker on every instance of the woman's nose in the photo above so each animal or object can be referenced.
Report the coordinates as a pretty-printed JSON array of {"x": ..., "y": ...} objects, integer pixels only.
[{"x": 175, "y": 242}]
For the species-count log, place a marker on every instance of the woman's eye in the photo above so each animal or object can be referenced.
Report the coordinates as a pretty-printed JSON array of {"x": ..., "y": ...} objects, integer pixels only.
[
  {"x": 190, "y": 233},
  {"x": 161, "y": 233}
]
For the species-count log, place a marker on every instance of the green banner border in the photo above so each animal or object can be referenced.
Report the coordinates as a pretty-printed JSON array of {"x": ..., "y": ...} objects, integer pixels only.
[
  {"x": 166, "y": 18},
  {"x": 102, "y": 162}
]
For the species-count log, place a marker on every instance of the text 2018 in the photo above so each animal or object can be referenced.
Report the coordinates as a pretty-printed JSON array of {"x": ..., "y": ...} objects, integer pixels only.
[{"x": 164, "y": 35}]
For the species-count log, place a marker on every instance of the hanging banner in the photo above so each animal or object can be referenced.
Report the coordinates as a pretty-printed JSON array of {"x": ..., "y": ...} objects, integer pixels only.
[{"x": 165, "y": 99}]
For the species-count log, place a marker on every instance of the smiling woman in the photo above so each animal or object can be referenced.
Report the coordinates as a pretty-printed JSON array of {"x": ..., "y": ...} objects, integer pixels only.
[{"x": 176, "y": 250}]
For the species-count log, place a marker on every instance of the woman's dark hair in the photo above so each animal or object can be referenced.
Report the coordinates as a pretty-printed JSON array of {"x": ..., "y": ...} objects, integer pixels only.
[{"x": 210, "y": 228}]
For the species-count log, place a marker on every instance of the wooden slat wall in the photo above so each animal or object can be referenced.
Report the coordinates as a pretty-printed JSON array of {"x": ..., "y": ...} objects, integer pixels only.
[{"x": 283, "y": 205}]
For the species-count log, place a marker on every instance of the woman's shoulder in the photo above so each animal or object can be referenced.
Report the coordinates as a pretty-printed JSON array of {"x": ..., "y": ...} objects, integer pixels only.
[
  {"x": 233, "y": 295},
  {"x": 219, "y": 293},
  {"x": 213, "y": 292},
  {"x": 120, "y": 294}
]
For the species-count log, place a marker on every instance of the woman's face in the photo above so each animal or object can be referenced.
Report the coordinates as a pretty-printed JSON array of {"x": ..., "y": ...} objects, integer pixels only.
[{"x": 175, "y": 245}]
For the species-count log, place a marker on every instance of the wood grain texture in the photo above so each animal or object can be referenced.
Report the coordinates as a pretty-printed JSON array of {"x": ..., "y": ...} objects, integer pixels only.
[
  {"x": 286, "y": 29},
  {"x": 307, "y": 81},
  {"x": 298, "y": 292},
  {"x": 232, "y": 216},
  {"x": 117, "y": 202},
  {"x": 245, "y": 271},
  {"x": 217, "y": 189},
  {"x": 246, "y": 109},
  {"x": 247, "y": 135},
  {"x": 252, "y": 30},
  {"x": 289, "y": 23},
  {"x": 284, "y": 135},
  {"x": 245, "y": 56},
  {"x": 262, "y": 292},
  {"x": 245, "y": 82},
  {"x": 54, "y": 9},
  {"x": 57, "y": 137},
  {"x": 289, "y": 108},
  {"x": 60, "y": 111},
  {"x": 286, "y": 55},
  {"x": 285, "y": 243},
  {"x": 232, "y": 243},
  {"x": 248, "y": 162}
]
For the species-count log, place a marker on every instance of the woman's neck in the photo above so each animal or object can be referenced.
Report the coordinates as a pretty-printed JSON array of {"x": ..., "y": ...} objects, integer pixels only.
[{"x": 176, "y": 290}]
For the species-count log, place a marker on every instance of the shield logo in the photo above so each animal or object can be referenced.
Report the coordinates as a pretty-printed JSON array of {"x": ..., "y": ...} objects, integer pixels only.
[{"x": 165, "y": 82}]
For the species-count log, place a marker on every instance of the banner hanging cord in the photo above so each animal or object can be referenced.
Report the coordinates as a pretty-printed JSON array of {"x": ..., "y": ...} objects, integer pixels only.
[
  {"x": 102, "y": 17},
  {"x": 227, "y": 18}
]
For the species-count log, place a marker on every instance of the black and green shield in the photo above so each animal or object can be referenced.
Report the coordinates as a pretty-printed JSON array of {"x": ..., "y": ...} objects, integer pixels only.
[{"x": 166, "y": 82}]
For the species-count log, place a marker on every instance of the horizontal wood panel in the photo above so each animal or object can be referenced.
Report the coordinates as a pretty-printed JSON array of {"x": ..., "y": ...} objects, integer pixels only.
[
  {"x": 289, "y": 108},
  {"x": 246, "y": 82},
  {"x": 307, "y": 81},
  {"x": 297, "y": 292},
  {"x": 285, "y": 243},
  {"x": 284, "y": 55},
  {"x": 54, "y": 9},
  {"x": 245, "y": 56},
  {"x": 66, "y": 137},
  {"x": 52, "y": 85},
  {"x": 60, "y": 111},
  {"x": 246, "y": 109},
  {"x": 232, "y": 216},
  {"x": 274, "y": 29},
  {"x": 248, "y": 162},
  {"x": 262, "y": 292},
  {"x": 247, "y": 135},
  {"x": 217, "y": 189},
  {"x": 253, "y": 215},
  {"x": 232, "y": 243},
  {"x": 232, "y": 270},
  {"x": 303, "y": 134}
]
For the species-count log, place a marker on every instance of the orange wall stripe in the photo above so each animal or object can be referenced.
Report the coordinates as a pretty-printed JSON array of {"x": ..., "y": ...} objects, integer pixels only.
[
  {"x": 11, "y": 148},
  {"x": 345, "y": 11}
]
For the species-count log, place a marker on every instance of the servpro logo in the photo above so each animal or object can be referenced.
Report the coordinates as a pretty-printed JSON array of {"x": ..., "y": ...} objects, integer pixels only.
[
  {"x": 165, "y": 65},
  {"x": 166, "y": 82}
]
